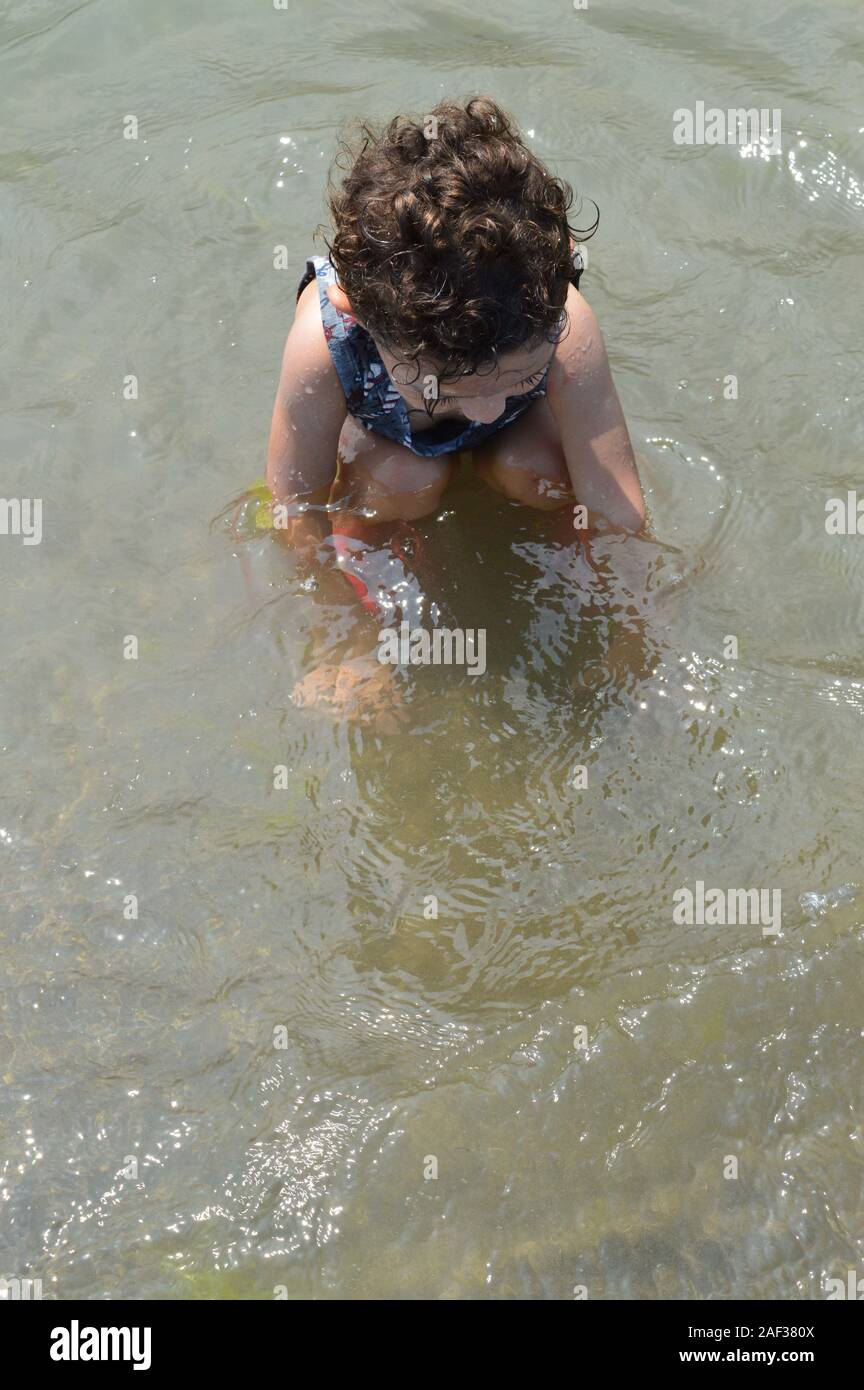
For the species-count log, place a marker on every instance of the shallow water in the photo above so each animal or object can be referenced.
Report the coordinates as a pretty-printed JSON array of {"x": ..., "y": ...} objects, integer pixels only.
[{"x": 408, "y": 1039}]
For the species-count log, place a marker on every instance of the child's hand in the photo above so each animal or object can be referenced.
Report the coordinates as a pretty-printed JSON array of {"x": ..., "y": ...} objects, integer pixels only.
[{"x": 361, "y": 690}]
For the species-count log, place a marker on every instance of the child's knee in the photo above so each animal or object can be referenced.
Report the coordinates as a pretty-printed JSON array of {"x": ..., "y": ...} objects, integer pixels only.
[
  {"x": 390, "y": 483},
  {"x": 539, "y": 481},
  {"x": 400, "y": 491}
]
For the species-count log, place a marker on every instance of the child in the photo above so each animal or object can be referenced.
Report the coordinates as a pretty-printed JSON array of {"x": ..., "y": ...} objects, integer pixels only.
[{"x": 446, "y": 318}]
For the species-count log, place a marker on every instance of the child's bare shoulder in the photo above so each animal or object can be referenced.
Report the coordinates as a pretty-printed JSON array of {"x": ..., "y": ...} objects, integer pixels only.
[
  {"x": 581, "y": 352},
  {"x": 308, "y": 379},
  {"x": 306, "y": 350}
]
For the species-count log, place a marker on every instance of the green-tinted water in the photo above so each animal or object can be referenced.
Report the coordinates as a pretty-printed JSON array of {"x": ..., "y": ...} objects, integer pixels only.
[{"x": 407, "y": 1039}]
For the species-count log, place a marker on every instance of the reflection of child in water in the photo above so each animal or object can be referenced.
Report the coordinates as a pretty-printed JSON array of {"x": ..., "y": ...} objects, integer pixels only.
[{"x": 447, "y": 318}]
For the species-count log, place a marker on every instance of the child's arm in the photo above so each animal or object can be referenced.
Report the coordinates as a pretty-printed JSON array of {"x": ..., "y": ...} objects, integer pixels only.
[
  {"x": 302, "y": 465},
  {"x": 583, "y": 399},
  {"x": 308, "y": 416}
]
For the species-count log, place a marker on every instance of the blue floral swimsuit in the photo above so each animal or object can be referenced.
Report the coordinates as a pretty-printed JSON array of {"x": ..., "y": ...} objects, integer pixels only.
[{"x": 370, "y": 395}]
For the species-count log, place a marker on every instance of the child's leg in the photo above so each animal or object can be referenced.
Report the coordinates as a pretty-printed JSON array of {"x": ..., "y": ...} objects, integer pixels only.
[
  {"x": 384, "y": 479},
  {"x": 380, "y": 489},
  {"x": 525, "y": 462},
  {"x": 381, "y": 486}
]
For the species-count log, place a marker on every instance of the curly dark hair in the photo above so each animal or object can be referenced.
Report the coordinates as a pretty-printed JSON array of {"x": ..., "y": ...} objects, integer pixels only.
[{"x": 451, "y": 239}]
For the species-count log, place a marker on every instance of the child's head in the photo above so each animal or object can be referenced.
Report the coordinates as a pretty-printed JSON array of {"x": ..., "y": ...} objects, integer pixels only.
[{"x": 452, "y": 245}]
